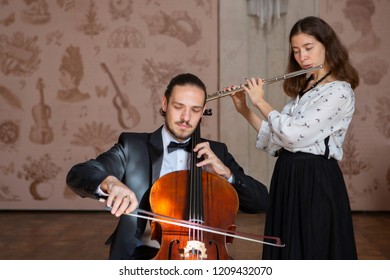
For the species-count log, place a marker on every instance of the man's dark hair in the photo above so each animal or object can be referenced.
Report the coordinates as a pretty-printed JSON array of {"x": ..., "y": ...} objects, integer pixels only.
[{"x": 183, "y": 80}]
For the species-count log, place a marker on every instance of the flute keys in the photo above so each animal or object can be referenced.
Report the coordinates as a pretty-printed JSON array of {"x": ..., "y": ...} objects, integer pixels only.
[{"x": 231, "y": 88}]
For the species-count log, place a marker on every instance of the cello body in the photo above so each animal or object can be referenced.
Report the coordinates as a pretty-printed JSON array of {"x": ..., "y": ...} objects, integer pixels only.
[{"x": 220, "y": 204}]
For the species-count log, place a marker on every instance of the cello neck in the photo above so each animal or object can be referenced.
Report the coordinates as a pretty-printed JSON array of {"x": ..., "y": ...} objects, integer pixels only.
[{"x": 196, "y": 211}]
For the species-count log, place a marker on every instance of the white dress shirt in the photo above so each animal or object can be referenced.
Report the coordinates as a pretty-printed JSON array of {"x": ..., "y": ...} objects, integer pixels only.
[{"x": 176, "y": 160}]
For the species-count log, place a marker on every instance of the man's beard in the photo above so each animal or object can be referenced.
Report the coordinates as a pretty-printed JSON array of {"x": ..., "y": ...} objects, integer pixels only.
[{"x": 175, "y": 135}]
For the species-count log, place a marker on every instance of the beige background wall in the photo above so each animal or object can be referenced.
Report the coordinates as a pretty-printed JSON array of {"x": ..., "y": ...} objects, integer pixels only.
[
  {"x": 144, "y": 43},
  {"x": 84, "y": 57},
  {"x": 364, "y": 26}
]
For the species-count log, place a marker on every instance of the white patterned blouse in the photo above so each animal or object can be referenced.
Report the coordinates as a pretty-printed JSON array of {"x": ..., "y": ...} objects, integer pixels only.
[{"x": 305, "y": 122}]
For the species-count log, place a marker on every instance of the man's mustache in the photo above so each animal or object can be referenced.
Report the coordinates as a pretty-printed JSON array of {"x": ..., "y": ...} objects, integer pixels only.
[{"x": 185, "y": 123}]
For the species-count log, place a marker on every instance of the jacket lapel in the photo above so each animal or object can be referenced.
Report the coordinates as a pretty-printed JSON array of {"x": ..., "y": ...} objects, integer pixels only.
[{"x": 156, "y": 151}]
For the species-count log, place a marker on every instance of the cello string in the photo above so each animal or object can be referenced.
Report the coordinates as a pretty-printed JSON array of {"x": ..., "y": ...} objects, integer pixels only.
[{"x": 196, "y": 190}]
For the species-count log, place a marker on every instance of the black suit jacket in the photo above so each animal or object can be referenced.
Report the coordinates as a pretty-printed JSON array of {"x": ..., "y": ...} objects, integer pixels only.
[{"x": 136, "y": 160}]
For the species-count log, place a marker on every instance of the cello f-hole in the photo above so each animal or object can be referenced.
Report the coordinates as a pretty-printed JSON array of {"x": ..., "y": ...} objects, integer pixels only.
[
  {"x": 170, "y": 248},
  {"x": 215, "y": 244}
]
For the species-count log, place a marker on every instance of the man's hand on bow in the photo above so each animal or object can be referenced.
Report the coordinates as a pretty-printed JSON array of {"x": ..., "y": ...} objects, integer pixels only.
[{"x": 120, "y": 198}]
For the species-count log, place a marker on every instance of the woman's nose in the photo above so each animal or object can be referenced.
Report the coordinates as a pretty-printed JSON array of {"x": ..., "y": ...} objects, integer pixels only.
[{"x": 302, "y": 56}]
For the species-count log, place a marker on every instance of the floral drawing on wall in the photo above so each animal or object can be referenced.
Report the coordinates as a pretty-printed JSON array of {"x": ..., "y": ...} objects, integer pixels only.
[
  {"x": 75, "y": 74},
  {"x": 40, "y": 172}
]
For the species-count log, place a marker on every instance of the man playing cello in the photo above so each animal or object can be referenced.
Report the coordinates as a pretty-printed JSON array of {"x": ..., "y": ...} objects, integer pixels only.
[{"x": 124, "y": 174}]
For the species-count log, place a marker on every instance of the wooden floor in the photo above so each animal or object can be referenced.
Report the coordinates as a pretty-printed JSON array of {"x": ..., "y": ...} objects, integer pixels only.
[{"x": 64, "y": 235}]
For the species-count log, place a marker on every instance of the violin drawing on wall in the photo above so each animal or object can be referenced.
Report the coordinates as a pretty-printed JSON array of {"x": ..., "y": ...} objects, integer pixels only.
[
  {"x": 128, "y": 115},
  {"x": 41, "y": 132}
]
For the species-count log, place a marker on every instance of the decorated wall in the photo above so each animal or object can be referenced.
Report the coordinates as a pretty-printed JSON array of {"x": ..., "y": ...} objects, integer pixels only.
[
  {"x": 363, "y": 25},
  {"x": 75, "y": 74}
]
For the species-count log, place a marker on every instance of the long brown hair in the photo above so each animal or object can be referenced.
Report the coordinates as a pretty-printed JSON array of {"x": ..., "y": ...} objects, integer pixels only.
[{"x": 336, "y": 55}]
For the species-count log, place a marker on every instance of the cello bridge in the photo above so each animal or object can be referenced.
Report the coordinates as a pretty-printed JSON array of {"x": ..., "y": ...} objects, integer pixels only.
[{"x": 195, "y": 247}]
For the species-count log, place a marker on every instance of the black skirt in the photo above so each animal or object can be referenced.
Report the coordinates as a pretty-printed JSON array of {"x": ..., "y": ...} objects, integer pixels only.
[{"x": 310, "y": 210}]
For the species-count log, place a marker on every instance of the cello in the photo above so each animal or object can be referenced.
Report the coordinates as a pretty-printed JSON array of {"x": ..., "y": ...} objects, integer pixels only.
[{"x": 193, "y": 195}]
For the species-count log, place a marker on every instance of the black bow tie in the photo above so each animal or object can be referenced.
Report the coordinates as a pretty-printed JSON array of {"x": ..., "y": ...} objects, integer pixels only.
[{"x": 174, "y": 146}]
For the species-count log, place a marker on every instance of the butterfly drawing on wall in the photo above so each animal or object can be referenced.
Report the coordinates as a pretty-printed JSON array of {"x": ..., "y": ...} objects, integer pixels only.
[{"x": 101, "y": 91}]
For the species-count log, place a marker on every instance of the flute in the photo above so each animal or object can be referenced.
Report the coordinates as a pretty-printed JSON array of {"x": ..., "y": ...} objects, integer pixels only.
[{"x": 233, "y": 89}]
